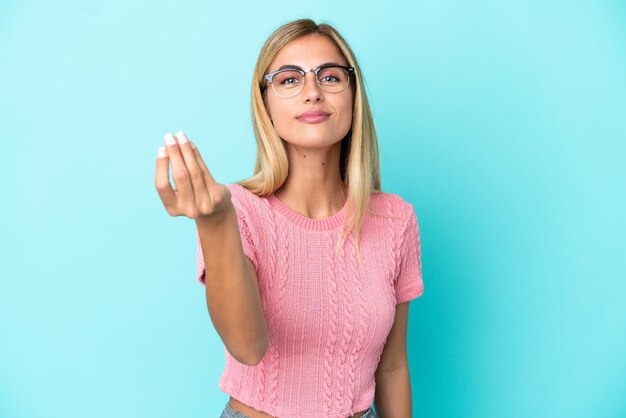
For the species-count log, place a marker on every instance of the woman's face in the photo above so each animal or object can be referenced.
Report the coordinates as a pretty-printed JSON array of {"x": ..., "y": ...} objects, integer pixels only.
[{"x": 310, "y": 52}]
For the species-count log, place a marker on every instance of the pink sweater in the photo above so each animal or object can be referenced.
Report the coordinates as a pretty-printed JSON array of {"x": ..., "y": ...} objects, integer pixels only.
[{"x": 327, "y": 319}]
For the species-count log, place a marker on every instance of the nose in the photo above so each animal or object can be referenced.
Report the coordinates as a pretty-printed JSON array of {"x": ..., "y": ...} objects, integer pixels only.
[{"x": 311, "y": 91}]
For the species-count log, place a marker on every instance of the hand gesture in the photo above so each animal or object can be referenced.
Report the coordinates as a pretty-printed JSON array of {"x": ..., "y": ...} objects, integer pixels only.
[{"x": 196, "y": 195}]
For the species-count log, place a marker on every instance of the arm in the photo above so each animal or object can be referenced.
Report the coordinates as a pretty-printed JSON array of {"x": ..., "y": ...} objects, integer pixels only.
[
  {"x": 232, "y": 292},
  {"x": 393, "y": 386}
]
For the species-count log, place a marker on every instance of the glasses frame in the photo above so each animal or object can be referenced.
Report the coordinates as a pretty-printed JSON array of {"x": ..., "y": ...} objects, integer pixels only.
[{"x": 270, "y": 77}]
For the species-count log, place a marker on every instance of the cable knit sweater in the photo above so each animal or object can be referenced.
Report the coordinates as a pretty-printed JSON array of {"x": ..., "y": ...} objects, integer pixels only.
[{"x": 328, "y": 319}]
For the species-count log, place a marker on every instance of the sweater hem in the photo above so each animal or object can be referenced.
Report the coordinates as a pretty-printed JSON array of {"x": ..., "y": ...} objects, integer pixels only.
[{"x": 281, "y": 413}]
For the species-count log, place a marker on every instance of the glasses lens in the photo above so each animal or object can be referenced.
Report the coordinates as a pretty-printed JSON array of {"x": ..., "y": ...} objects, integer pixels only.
[
  {"x": 333, "y": 79},
  {"x": 287, "y": 83}
]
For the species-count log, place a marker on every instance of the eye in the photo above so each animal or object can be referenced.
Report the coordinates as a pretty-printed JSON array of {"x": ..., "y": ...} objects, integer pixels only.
[
  {"x": 332, "y": 75},
  {"x": 329, "y": 78},
  {"x": 289, "y": 80}
]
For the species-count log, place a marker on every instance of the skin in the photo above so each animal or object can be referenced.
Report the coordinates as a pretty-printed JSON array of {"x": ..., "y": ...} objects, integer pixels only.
[
  {"x": 313, "y": 187},
  {"x": 393, "y": 383}
]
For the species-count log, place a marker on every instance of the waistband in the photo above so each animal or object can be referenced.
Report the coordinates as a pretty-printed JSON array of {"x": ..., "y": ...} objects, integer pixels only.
[{"x": 229, "y": 412}]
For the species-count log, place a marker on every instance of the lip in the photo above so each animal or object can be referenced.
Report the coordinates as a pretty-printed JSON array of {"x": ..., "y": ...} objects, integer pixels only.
[{"x": 313, "y": 116}]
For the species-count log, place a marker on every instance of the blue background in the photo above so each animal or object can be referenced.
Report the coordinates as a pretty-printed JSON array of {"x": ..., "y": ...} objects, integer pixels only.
[{"x": 503, "y": 123}]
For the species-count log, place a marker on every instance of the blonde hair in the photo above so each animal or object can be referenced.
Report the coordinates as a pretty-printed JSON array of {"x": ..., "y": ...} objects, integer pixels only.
[{"x": 359, "y": 160}]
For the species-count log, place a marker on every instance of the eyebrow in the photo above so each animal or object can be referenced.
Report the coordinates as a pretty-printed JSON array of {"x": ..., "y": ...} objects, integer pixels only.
[{"x": 291, "y": 66}]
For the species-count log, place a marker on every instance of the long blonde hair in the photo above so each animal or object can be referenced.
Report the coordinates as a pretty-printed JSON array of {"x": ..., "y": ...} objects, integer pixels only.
[{"x": 359, "y": 160}]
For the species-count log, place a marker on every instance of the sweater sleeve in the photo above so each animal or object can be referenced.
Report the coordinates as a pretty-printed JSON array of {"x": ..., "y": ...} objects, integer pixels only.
[
  {"x": 247, "y": 233},
  {"x": 199, "y": 260},
  {"x": 409, "y": 283}
]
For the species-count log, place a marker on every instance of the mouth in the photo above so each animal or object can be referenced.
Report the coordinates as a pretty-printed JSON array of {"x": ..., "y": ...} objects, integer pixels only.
[{"x": 315, "y": 116}]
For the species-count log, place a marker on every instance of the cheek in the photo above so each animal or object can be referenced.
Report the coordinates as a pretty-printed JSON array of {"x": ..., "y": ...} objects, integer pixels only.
[
  {"x": 273, "y": 108},
  {"x": 346, "y": 113},
  {"x": 279, "y": 112}
]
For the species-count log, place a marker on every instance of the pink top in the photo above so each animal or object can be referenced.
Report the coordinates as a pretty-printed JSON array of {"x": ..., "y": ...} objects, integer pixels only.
[{"x": 327, "y": 319}]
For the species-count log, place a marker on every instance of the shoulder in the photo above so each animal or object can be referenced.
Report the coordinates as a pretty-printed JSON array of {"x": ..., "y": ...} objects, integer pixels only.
[
  {"x": 391, "y": 204},
  {"x": 247, "y": 203},
  {"x": 240, "y": 191},
  {"x": 244, "y": 196}
]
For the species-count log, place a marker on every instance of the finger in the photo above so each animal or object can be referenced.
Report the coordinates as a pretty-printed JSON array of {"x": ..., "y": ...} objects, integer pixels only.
[
  {"x": 194, "y": 169},
  {"x": 202, "y": 195},
  {"x": 162, "y": 180},
  {"x": 208, "y": 177},
  {"x": 179, "y": 170}
]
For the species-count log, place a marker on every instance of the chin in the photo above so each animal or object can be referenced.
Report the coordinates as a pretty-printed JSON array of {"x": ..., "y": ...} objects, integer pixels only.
[{"x": 316, "y": 141}]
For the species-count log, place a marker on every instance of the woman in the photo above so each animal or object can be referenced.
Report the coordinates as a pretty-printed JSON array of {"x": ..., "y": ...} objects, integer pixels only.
[{"x": 308, "y": 266}]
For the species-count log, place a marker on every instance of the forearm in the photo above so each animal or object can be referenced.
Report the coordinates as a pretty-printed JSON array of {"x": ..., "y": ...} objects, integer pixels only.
[
  {"x": 232, "y": 293},
  {"x": 393, "y": 393}
]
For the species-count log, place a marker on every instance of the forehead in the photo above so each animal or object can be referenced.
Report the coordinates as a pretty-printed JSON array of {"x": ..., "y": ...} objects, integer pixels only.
[{"x": 307, "y": 52}]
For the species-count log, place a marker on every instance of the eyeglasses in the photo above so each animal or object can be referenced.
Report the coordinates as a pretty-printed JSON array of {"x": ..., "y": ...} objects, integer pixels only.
[{"x": 331, "y": 78}]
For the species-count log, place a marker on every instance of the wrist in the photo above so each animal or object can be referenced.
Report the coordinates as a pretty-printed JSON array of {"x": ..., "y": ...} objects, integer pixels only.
[{"x": 217, "y": 218}]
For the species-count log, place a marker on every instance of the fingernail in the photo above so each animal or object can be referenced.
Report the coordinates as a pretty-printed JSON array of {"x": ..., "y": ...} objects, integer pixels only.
[
  {"x": 193, "y": 146},
  {"x": 162, "y": 153},
  {"x": 180, "y": 136},
  {"x": 169, "y": 139}
]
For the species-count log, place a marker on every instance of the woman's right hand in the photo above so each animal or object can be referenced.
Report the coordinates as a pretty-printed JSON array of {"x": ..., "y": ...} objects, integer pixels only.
[{"x": 196, "y": 195}]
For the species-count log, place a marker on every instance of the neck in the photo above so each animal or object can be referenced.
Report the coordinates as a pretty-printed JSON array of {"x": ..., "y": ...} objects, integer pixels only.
[{"x": 314, "y": 187}]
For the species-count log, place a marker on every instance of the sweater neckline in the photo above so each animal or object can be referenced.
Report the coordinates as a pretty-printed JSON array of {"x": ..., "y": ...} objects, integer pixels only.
[{"x": 312, "y": 224}]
